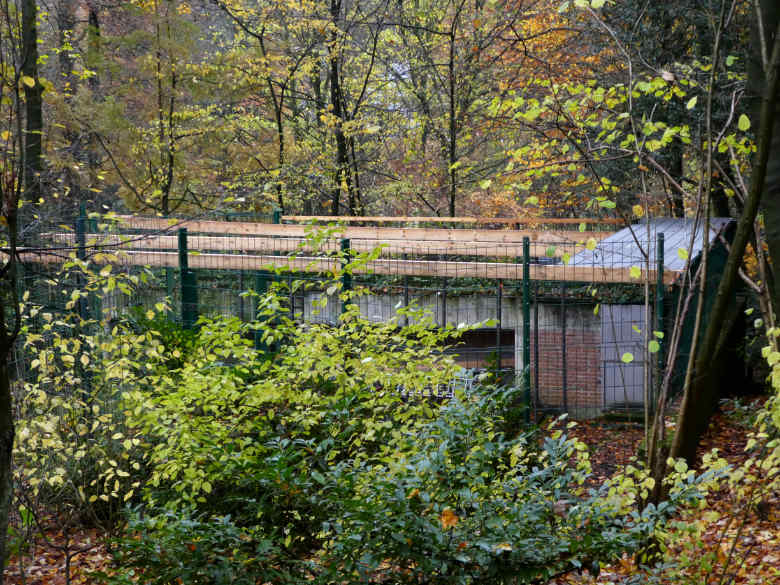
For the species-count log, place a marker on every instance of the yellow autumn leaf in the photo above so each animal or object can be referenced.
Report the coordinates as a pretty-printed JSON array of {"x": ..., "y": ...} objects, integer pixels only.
[
  {"x": 28, "y": 81},
  {"x": 638, "y": 210},
  {"x": 591, "y": 244},
  {"x": 634, "y": 272},
  {"x": 5, "y": 135},
  {"x": 448, "y": 518}
]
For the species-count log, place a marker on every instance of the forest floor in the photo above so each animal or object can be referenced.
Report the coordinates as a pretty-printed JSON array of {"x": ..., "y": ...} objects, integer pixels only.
[
  {"x": 745, "y": 542},
  {"x": 755, "y": 558}
]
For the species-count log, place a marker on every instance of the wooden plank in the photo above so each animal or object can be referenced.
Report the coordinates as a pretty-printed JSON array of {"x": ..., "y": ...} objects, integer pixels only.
[
  {"x": 239, "y": 228},
  {"x": 490, "y": 270},
  {"x": 265, "y": 243},
  {"x": 475, "y": 220}
]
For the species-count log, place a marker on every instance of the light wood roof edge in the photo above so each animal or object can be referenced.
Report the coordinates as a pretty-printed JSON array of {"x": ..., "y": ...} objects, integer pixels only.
[
  {"x": 436, "y": 219},
  {"x": 236, "y": 228},
  {"x": 293, "y": 244}
]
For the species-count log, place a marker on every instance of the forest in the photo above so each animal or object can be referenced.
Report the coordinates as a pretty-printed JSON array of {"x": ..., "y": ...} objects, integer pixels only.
[{"x": 139, "y": 448}]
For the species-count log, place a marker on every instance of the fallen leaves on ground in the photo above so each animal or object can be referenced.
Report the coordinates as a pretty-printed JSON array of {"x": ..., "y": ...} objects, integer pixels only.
[
  {"x": 45, "y": 564},
  {"x": 744, "y": 541}
]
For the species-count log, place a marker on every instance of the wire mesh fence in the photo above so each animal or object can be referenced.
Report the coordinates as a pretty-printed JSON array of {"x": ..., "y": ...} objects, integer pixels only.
[{"x": 555, "y": 310}]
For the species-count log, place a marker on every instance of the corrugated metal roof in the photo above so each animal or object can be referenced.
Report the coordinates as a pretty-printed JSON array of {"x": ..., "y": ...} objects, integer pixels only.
[{"x": 622, "y": 249}]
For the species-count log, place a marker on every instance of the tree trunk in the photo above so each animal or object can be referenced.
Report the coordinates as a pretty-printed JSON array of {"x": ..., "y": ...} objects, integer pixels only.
[
  {"x": 6, "y": 450},
  {"x": 676, "y": 171},
  {"x": 67, "y": 83},
  {"x": 343, "y": 178},
  {"x": 33, "y": 103},
  {"x": 10, "y": 320},
  {"x": 452, "y": 145},
  {"x": 93, "y": 47},
  {"x": 28, "y": 166},
  {"x": 757, "y": 85},
  {"x": 66, "y": 22},
  {"x": 697, "y": 401}
]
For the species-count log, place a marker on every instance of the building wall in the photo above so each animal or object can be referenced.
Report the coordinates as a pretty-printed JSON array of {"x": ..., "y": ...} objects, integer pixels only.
[
  {"x": 566, "y": 371},
  {"x": 593, "y": 377}
]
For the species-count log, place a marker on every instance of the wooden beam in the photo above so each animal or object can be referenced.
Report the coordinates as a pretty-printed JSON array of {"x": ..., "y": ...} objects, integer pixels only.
[
  {"x": 266, "y": 243},
  {"x": 240, "y": 228},
  {"x": 489, "y": 270},
  {"x": 474, "y": 220}
]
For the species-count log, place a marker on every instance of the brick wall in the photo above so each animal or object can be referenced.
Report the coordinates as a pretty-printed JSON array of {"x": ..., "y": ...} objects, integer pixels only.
[{"x": 582, "y": 372}]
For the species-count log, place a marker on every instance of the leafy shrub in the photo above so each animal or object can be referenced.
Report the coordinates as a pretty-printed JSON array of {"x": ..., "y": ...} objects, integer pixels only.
[
  {"x": 460, "y": 502},
  {"x": 76, "y": 452},
  {"x": 236, "y": 433},
  {"x": 177, "y": 342},
  {"x": 183, "y": 548}
]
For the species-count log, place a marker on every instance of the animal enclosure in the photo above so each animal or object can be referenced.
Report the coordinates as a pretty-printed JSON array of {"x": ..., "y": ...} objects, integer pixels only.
[{"x": 555, "y": 310}]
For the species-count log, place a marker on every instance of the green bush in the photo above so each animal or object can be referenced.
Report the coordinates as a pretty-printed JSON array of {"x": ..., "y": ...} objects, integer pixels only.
[
  {"x": 234, "y": 432},
  {"x": 168, "y": 549},
  {"x": 459, "y": 502}
]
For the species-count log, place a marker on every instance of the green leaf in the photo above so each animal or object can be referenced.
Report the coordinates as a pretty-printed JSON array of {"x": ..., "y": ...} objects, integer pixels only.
[
  {"x": 682, "y": 253},
  {"x": 591, "y": 244},
  {"x": 485, "y": 184},
  {"x": 596, "y": 4},
  {"x": 627, "y": 357},
  {"x": 744, "y": 123},
  {"x": 635, "y": 272},
  {"x": 653, "y": 346},
  {"x": 28, "y": 81},
  {"x": 550, "y": 251},
  {"x": 692, "y": 102}
]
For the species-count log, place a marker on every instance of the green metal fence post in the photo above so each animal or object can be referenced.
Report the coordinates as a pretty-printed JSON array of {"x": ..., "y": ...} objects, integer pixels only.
[
  {"x": 277, "y": 216},
  {"x": 346, "y": 278},
  {"x": 189, "y": 285},
  {"x": 659, "y": 300},
  {"x": 169, "y": 285},
  {"x": 527, "y": 326},
  {"x": 81, "y": 233},
  {"x": 81, "y": 254},
  {"x": 499, "y": 316},
  {"x": 262, "y": 277}
]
